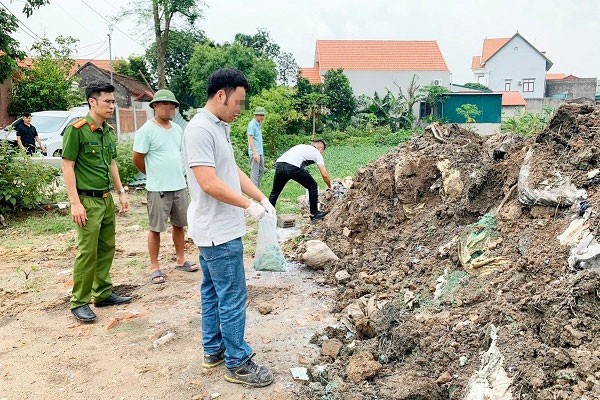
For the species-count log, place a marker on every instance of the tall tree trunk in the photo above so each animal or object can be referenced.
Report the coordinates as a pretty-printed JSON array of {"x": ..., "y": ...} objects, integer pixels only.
[{"x": 160, "y": 49}]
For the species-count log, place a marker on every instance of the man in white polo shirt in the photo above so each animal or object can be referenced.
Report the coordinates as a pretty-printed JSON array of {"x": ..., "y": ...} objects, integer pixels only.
[
  {"x": 291, "y": 166},
  {"x": 216, "y": 216}
]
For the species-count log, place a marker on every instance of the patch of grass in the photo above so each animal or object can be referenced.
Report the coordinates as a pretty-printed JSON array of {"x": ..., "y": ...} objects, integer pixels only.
[
  {"x": 135, "y": 263},
  {"x": 40, "y": 224},
  {"x": 341, "y": 161}
]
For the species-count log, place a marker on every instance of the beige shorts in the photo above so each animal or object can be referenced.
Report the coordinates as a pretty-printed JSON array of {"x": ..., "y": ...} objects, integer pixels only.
[{"x": 163, "y": 206}]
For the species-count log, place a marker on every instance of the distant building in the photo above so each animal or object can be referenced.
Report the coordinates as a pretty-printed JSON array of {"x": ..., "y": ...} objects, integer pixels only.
[
  {"x": 571, "y": 88},
  {"x": 376, "y": 65},
  {"x": 512, "y": 65}
]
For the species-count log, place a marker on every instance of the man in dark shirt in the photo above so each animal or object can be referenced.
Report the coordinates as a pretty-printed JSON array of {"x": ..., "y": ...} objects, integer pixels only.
[{"x": 27, "y": 135}]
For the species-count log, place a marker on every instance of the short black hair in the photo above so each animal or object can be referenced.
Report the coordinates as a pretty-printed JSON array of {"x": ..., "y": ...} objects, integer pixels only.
[
  {"x": 97, "y": 87},
  {"x": 227, "y": 79},
  {"x": 25, "y": 114},
  {"x": 320, "y": 141}
]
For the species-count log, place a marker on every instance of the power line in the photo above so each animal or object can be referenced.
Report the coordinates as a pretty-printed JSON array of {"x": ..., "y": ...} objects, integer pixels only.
[
  {"x": 111, "y": 23},
  {"x": 70, "y": 16},
  {"x": 90, "y": 45},
  {"x": 22, "y": 24},
  {"x": 89, "y": 53}
]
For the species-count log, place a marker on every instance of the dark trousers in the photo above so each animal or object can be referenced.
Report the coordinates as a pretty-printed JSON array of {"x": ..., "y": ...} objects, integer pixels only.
[{"x": 283, "y": 173}]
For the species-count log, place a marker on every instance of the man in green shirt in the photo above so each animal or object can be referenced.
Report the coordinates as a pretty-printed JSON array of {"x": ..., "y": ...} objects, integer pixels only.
[
  {"x": 88, "y": 164},
  {"x": 157, "y": 152}
]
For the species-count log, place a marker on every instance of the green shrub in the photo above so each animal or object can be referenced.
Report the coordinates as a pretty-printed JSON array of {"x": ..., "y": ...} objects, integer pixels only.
[
  {"x": 127, "y": 171},
  {"x": 23, "y": 183},
  {"x": 527, "y": 124}
]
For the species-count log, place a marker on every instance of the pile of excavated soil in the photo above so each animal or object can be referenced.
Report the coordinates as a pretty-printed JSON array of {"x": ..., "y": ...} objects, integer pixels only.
[{"x": 396, "y": 235}]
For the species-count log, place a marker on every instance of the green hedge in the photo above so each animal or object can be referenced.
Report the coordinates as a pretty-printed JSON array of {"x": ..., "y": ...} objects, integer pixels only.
[{"x": 23, "y": 183}]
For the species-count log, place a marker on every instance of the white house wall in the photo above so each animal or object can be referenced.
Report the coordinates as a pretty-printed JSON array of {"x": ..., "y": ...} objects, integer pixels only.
[
  {"x": 516, "y": 65},
  {"x": 369, "y": 82}
]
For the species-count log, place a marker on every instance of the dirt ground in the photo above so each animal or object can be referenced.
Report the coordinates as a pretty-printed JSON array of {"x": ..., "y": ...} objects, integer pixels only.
[
  {"x": 449, "y": 283},
  {"x": 46, "y": 354}
]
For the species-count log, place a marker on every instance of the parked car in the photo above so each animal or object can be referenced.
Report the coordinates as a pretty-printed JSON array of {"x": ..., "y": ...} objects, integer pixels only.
[{"x": 50, "y": 126}]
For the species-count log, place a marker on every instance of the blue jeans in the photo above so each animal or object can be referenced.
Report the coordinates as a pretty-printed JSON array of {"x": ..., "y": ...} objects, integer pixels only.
[{"x": 223, "y": 293}]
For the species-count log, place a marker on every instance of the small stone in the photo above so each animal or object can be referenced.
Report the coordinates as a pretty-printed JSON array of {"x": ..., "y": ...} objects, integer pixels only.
[
  {"x": 265, "y": 308},
  {"x": 362, "y": 367},
  {"x": 163, "y": 340},
  {"x": 331, "y": 348},
  {"x": 342, "y": 276},
  {"x": 462, "y": 361},
  {"x": 444, "y": 378},
  {"x": 346, "y": 232},
  {"x": 113, "y": 322},
  {"x": 215, "y": 395}
]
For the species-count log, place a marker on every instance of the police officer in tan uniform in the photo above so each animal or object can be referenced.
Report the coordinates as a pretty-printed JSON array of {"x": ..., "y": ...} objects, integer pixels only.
[{"x": 89, "y": 152}]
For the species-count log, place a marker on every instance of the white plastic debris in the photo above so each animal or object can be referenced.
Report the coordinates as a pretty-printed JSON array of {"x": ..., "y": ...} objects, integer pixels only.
[
  {"x": 299, "y": 373},
  {"x": 490, "y": 382},
  {"x": 441, "y": 281}
]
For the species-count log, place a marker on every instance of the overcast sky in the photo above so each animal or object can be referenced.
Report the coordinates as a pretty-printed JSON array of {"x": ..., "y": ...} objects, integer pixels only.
[{"x": 566, "y": 30}]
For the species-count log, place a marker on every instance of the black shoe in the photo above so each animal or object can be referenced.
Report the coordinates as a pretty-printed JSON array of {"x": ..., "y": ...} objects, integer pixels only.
[
  {"x": 113, "y": 300},
  {"x": 250, "y": 374},
  {"x": 319, "y": 215},
  {"x": 84, "y": 313},
  {"x": 212, "y": 360}
]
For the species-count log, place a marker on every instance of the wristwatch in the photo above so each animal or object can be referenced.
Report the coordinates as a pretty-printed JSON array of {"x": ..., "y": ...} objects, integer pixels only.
[{"x": 121, "y": 191}]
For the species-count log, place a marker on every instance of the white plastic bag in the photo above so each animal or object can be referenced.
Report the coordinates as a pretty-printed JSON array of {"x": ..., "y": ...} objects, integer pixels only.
[{"x": 269, "y": 256}]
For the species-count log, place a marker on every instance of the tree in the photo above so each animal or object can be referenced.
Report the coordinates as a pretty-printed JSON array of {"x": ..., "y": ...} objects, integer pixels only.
[
  {"x": 469, "y": 112},
  {"x": 164, "y": 14},
  {"x": 134, "y": 67},
  {"x": 47, "y": 84},
  {"x": 9, "y": 47},
  {"x": 477, "y": 86},
  {"x": 339, "y": 98},
  {"x": 433, "y": 95},
  {"x": 264, "y": 46},
  {"x": 259, "y": 71},
  {"x": 177, "y": 58}
]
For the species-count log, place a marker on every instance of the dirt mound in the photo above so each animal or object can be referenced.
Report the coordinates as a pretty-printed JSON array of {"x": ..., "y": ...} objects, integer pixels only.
[{"x": 523, "y": 326}]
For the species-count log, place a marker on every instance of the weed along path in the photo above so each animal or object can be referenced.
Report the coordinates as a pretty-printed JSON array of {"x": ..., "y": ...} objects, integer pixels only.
[{"x": 151, "y": 348}]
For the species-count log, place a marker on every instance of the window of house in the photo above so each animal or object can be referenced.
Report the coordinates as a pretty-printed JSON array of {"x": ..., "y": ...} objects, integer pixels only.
[
  {"x": 528, "y": 85},
  {"x": 507, "y": 85},
  {"x": 480, "y": 79}
]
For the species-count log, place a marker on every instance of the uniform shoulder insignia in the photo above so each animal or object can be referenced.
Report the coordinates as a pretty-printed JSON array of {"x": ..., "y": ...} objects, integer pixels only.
[{"x": 79, "y": 123}]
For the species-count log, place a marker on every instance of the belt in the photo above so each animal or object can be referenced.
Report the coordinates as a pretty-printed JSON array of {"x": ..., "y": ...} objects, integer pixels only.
[{"x": 94, "y": 193}]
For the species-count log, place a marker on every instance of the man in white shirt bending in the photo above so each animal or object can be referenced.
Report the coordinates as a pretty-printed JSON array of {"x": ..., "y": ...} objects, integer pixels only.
[{"x": 291, "y": 166}]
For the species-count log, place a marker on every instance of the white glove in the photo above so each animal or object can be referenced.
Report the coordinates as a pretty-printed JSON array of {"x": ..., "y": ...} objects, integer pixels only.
[
  {"x": 268, "y": 207},
  {"x": 255, "y": 210}
]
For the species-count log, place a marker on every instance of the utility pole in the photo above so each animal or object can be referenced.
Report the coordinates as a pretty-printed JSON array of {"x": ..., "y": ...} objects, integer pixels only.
[
  {"x": 112, "y": 81},
  {"x": 110, "y": 29}
]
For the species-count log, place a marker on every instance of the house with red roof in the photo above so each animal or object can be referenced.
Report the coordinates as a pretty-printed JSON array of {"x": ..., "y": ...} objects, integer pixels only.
[
  {"x": 512, "y": 65},
  {"x": 376, "y": 65},
  {"x": 131, "y": 94},
  {"x": 127, "y": 89}
]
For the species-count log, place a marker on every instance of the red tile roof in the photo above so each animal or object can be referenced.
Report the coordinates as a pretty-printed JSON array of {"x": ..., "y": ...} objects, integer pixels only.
[
  {"x": 312, "y": 74},
  {"x": 550, "y": 77},
  {"x": 80, "y": 62},
  {"x": 379, "y": 55},
  {"x": 491, "y": 46},
  {"x": 512, "y": 99}
]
